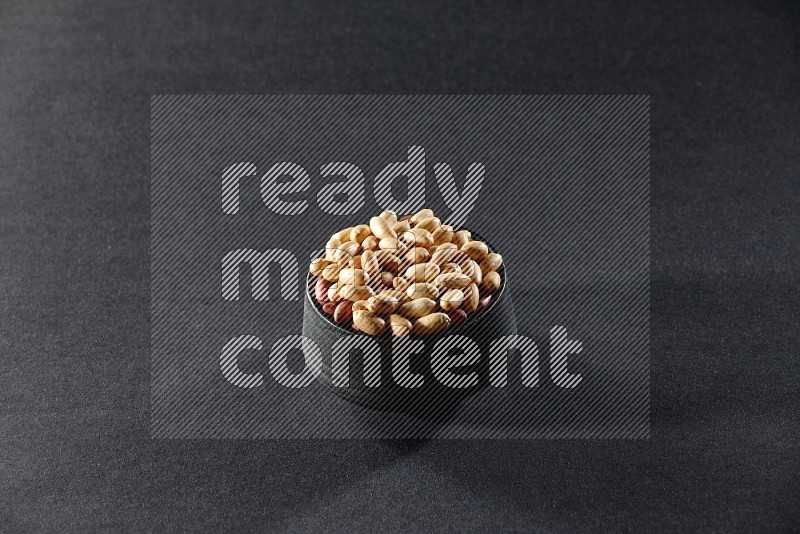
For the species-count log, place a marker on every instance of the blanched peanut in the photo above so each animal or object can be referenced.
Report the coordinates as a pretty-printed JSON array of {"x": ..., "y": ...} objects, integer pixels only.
[
  {"x": 333, "y": 293},
  {"x": 401, "y": 226},
  {"x": 491, "y": 262},
  {"x": 430, "y": 224},
  {"x": 355, "y": 277},
  {"x": 451, "y": 268},
  {"x": 359, "y": 305},
  {"x": 401, "y": 284},
  {"x": 416, "y": 255},
  {"x": 461, "y": 237},
  {"x": 421, "y": 214},
  {"x": 370, "y": 243},
  {"x": 343, "y": 235},
  {"x": 471, "y": 298},
  {"x": 387, "y": 260},
  {"x": 382, "y": 307},
  {"x": 368, "y": 322},
  {"x": 417, "y": 308},
  {"x": 331, "y": 272},
  {"x": 477, "y": 250},
  {"x": 491, "y": 282},
  {"x": 448, "y": 255},
  {"x": 360, "y": 232},
  {"x": 471, "y": 269},
  {"x": 422, "y": 290},
  {"x": 431, "y": 324},
  {"x": 451, "y": 299},
  {"x": 346, "y": 251},
  {"x": 351, "y": 292},
  {"x": 389, "y": 216},
  {"x": 422, "y": 272},
  {"x": 452, "y": 280},
  {"x": 417, "y": 237},
  {"x": 381, "y": 229},
  {"x": 442, "y": 235},
  {"x": 317, "y": 265},
  {"x": 400, "y": 325}
]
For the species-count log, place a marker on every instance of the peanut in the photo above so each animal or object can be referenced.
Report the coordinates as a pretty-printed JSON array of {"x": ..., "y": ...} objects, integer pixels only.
[
  {"x": 452, "y": 280},
  {"x": 421, "y": 214},
  {"x": 422, "y": 290},
  {"x": 381, "y": 228},
  {"x": 400, "y": 325},
  {"x": 491, "y": 282},
  {"x": 417, "y": 308},
  {"x": 477, "y": 250},
  {"x": 461, "y": 237},
  {"x": 368, "y": 322},
  {"x": 343, "y": 312},
  {"x": 318, "y": 264},
  {"x": 451, "y": 299},
  {"x": 491, "y": 262},
  {"x": 360, "y": 232},
  {"x": 431, "y": 324}
]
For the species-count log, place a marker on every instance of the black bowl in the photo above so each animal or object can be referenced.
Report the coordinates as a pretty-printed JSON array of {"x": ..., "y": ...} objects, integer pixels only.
[{"x": 431, "y": 400}]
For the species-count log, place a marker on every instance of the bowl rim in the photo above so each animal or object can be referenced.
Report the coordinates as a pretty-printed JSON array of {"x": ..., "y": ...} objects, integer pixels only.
[{"x": 503, "y": 271}]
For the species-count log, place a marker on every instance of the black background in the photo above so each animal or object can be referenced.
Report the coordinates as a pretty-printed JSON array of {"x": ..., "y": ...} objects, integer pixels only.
[{"x": 75, "y": 86}]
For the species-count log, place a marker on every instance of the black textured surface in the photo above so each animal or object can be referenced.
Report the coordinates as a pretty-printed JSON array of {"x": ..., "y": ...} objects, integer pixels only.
[{"x": 76, "y": 84}]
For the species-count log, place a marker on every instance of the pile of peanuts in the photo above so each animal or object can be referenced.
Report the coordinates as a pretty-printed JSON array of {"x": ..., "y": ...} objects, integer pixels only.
[{"x": 412, "y": 275}]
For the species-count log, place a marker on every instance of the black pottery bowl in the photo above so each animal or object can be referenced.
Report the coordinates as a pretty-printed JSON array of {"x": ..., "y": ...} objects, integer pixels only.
[{"x": 432, "y": 399}]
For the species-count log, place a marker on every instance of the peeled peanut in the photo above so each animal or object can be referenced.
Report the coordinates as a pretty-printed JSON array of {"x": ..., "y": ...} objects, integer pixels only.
[
  {"x": 491, "y": 262},
  {"x": 346, "y": 251},
  {"x": 389, "y": 216},
  {"x": 422, "y": 272},
  {"x": 401, "y": 226},
  {"x": 317, "y": 265},
  {"x": 431, "y": 324},
  {"x": 351, "y": 292},
  {"x": 430, "y": 224},
  {"x": 462, "y": 237},
  {"x": 343, "y": 235},
  {"x": 400, "y": 325},
  {"x": 356, "y": 277},
  {"x": 368, "y": 322},
  {"x": 343, "y": 312},
  {"x": 386, "y": 278},
  {"x": 452, "y": 280},
  {"x": 417, "y": 308},
  {"x": 381, "y": 228},
  {"x": 442, "y": 235},
  {"x": 416, "y": 255},
  {"x": 451, "y": 268},
  {"x": 370, "y": 263},
  {"x": 491, "y": 282},
  {"x": 422, "y": 290},
  {"x": 471, "y": 298},
  {"x": 381, "y": 307},
  {"x": 359, "y": 305},
  {"x": 447, "y": 255},
  {"x": 401, "y": 284},
  {"x": 451, "y": 299},
  {"x": 391, "y": 243},
  {"x": 370, "y": 243},
  {"x": 471, "y": 269},
  {"x": 477, "y": 250},
  {"x": 331, "y": 247},
  {"x": 333, "y": 293},
  {"x": 360, "y": 232},
  {"x": 331, "y": 272},
  {"x": 421, "y": 214}
]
